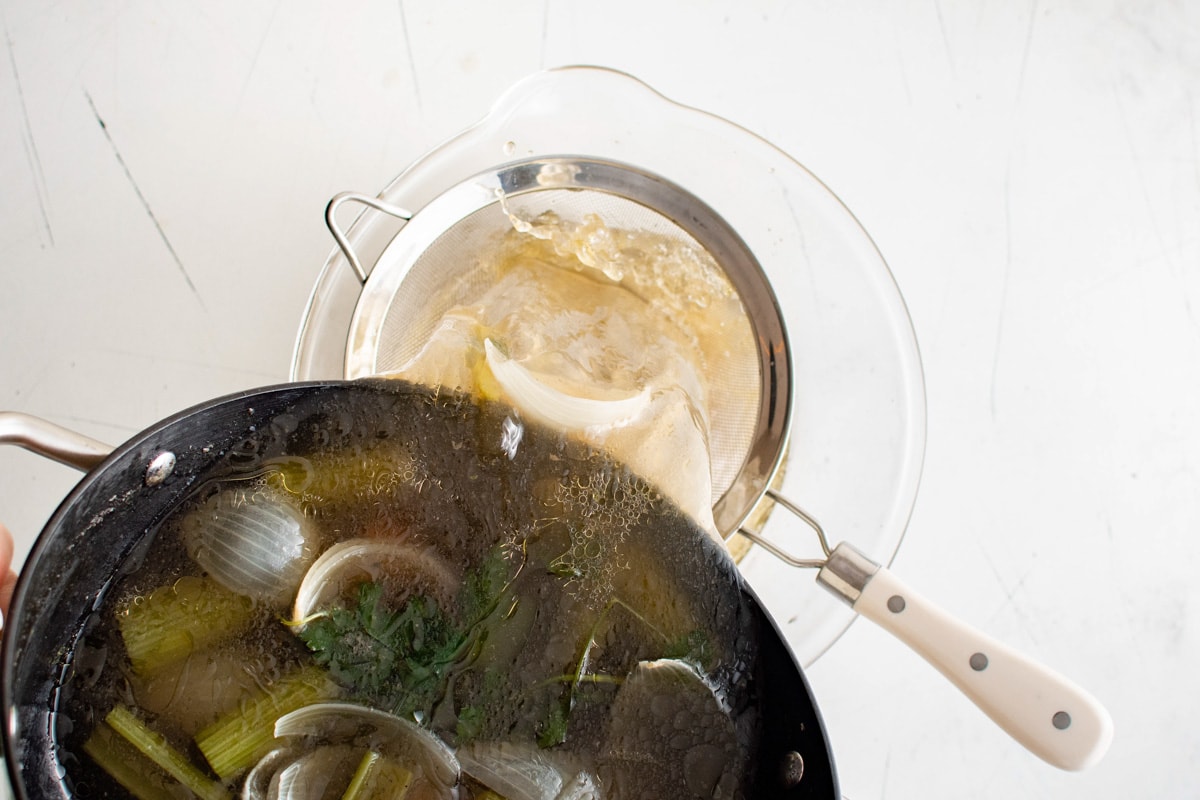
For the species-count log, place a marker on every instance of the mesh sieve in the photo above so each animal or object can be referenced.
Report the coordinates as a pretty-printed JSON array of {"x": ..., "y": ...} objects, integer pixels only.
[{"x": 682, "y": 260}]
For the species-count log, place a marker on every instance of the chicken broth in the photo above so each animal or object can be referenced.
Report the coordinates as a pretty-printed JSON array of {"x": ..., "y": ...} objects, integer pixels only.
[{"x": 414, "y": 594}]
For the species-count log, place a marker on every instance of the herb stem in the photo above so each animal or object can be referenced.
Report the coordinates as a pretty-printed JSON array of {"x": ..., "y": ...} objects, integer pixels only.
[{"x": 594, "y": 677}]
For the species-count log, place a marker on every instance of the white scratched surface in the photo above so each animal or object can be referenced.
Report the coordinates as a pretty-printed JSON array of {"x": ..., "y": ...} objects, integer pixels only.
[{"x": 1030, "y": 170}]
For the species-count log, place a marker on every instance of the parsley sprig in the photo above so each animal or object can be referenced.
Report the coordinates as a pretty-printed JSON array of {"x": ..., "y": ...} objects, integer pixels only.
[
  {"x": 395, "y": 659},
  {"x": 401, "y": 658}
]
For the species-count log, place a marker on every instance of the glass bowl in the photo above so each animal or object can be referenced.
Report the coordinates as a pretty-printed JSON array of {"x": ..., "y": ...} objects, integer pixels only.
[{"x": 858, "y": 408}]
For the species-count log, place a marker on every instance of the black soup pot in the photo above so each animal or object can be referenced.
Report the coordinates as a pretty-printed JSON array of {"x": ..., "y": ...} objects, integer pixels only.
[{"x": 107, "y": 523}]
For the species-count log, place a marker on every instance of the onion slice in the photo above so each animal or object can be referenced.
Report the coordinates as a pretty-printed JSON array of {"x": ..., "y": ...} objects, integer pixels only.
[
  {"x": 521, "y": 771},
  {"x": 391, "y": 558},
  {"x": 256, "y": 542},
  {"x": 333, "y": 723},
  {"x": 533, "y": 395}
]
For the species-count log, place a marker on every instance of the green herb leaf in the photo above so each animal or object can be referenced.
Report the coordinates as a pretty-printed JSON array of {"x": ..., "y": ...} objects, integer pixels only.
[
  {"x": 470, "y": 724},
  {"x": 694, "y": 647},
  {"x": 553, "y": 730},
  {"x": 401, "y": 659},
  {"x": 483, "y": 586},
  {"x": 395, "y": 659}
]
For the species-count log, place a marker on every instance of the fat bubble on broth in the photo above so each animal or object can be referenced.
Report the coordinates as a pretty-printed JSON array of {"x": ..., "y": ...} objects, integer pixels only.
[{"x": 465, "y": 613}]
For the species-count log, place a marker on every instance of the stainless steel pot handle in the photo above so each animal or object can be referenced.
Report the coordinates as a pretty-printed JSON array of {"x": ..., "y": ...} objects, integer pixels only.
[
  {"x": 1051, "y": 716},
  {"x": 52, "y": 441},
  {"x": 340, "y": 237}
]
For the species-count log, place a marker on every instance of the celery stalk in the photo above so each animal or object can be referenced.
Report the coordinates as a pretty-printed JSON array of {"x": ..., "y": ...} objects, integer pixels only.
[
  {"x": 378, "y": 778},
  {"x": 173, "y": 621},
  {"x": 237, "y": 740},
  {"x": 339, "y": 477},
  {"x": 360, "y": 783},
  {"x": 127, "y": 765},
  {"x": 154, "y": 746}
]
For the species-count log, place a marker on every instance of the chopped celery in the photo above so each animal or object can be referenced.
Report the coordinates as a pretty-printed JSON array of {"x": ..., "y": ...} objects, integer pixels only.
[
  {"x": 350, "y": 476},
  {"x": 194, "y": 691},
  {"x": 173, "y": 621},
  {"x": 154, "y": 746},
  {"x": 237, "y": 740},
  {"x": 360, "y": 784},
  {"x": 378, "y": 778},
  {"x": 126, "y": 764}
]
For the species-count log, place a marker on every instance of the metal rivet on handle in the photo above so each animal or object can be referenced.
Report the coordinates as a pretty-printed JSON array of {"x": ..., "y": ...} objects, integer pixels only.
[
  {"x": 979, "y": 662},
  {"x": 791, "y": 770},
  {"x": 896, "y": 604},
  {"x": 1062, "y": 720},
  {"x": 160, "y": 468}
]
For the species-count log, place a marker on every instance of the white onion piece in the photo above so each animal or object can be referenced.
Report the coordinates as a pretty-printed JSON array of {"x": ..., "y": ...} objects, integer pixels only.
[
  {"x": 534, "y": 396},
  {"x": 397, "y": 737},
  {"x": 310, "y": 775},
  {"x": 258, "y": 780},
  {"x": 255, "y": 543},
  {"x": 521, "y": 771},
  {"x": 376, "y": 558},
  {"x": 581, "y": 787}
]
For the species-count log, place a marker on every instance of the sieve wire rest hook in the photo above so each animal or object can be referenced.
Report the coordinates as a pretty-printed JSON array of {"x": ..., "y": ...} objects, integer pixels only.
[
  {"x": 340, "y": 237},
  {"x": 1048, "y": 714},
  {"x": 779, "y": 552}
]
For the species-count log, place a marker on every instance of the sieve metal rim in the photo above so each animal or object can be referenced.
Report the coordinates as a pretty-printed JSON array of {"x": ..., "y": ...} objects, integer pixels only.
[{"x": 383, "y": 281}]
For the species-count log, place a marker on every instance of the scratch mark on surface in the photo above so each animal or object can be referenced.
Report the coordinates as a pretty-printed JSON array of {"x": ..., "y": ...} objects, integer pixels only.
[
  {"x": 190, "y": 364},
  {"x": 141, "y": 197},
  {"x": 1004, "y": 284},
  {"x": 937, "y": 7},
  {"x": 31, "y": 151},
  {"x": 258, "y": 52},
  {"x": 74, "y": 420},
  {"x": 545, "y": 33},
  {"x": 1195, "y": 140},
  {"x": 1010, "y": 593},
  {"x": 412, "y": 60},
  {"x": 806, "y": 258},
  {"x": 1148, "y": 199},
  {"x": 1033, "y": 13}
]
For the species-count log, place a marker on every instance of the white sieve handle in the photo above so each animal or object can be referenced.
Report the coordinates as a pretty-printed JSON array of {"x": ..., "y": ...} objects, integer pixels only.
[
  {"x": 340, "y": 237},
  {"x": 1051, "y": 716}
]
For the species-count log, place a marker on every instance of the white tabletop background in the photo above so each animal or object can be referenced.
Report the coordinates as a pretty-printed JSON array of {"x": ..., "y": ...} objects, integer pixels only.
[{"x": 1030, "y": 170}]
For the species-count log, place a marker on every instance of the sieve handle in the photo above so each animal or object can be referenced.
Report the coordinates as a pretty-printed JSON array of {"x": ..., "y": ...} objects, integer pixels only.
[
  {"x": 1049, "y": 715},
  {"x": 52, "y": 441},
  {"x": 340, "y": 237}
]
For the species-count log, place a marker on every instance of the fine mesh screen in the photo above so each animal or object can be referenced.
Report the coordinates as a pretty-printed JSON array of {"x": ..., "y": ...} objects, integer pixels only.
[{"x": 675, "y": 276}]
